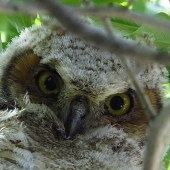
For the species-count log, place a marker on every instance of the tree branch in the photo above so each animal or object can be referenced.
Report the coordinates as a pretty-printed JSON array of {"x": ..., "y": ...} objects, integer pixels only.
[
  {"x": 157, "y": 140},
  {"x": 115, "y": 45},
  {"x": 30, "y": 8},
  {"x": 143, "y": 97},
  {"x": 121, "y": 12}
]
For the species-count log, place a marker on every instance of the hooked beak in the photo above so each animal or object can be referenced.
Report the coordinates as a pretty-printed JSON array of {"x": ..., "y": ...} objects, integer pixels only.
[{"x": 74, "y": 124}]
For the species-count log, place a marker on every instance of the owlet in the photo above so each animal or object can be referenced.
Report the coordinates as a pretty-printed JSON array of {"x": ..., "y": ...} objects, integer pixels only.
[{"x": 68, "y": 105}]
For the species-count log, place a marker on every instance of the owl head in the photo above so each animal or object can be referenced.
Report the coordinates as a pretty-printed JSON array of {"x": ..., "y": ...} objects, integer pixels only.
[{"x": 74, "y": 97}]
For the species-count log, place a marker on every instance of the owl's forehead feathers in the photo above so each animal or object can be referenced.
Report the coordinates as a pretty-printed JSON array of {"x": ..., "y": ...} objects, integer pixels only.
[
  {"x": 83, "y": 65},
  {"x": 70, "y": 50},
  {"x": 79, "y": 62}
]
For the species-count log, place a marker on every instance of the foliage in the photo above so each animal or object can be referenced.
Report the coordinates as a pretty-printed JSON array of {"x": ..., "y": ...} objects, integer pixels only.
[{"x": 12, "y": 24}]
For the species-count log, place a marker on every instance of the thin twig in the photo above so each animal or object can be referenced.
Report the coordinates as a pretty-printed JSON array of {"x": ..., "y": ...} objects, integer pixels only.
[
  {"x": 144, "y": 99},
  {"x": 121, "y": 12},
  {"x": 108, "y": 26},
  {"x": 30, "y": 8},
  {"x": 157, "y": 140}
]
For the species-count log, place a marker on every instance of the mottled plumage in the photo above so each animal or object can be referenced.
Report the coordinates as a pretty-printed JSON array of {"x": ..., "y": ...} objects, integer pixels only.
[{"x": 61, "y": 91}]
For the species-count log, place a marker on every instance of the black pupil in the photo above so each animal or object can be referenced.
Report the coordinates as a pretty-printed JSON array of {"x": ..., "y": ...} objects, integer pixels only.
[
  {"x": 50, "y": 84},
  {"x": 117, "y": 103}
]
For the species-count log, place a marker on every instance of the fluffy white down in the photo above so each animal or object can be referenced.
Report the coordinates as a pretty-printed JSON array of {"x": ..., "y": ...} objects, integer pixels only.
[{"x": 104, "y": 148}]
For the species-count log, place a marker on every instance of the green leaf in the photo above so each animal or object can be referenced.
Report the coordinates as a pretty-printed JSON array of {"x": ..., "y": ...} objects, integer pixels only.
[
  {"x": 0, "y": 44},
  {"x": 20, "y": 0},
  {"x": 4, "y": 45},
  {"x": 163, "y": 16},
  {"x": 19, "y": 21},
  {"x": 167, "y": 158},
  {"x": 139, "y": 6},
  {"x": 106, "y": 2},
  {"x": 161, "y": 38},
  {"x": 37, "y": 20},
  {"x": 124, "y": 27},
  {"x": 97, "y": 2},
  {"x": 11, "y": 25},
  {"x": 72, "y": 2}
]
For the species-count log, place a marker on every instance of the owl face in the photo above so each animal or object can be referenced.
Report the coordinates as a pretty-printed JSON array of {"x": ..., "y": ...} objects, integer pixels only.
[{"x": 71, "y": 92}]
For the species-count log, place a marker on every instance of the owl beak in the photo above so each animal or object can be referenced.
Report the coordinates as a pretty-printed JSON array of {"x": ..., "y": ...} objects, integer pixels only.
[{"x": 79, "y": 108}]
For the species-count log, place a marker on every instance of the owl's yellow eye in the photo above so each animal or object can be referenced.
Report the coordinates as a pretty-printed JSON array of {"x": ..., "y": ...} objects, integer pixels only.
[
  {"x": 118, "y": 104},
  {"x": 49, "y": 82}
]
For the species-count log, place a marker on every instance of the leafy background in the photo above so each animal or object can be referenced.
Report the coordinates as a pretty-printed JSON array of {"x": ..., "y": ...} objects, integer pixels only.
[{"x": 12, "y": 24}]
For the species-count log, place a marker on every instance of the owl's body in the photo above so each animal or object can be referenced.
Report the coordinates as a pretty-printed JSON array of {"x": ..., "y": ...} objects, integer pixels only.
[{"x": 60, "y": 87}]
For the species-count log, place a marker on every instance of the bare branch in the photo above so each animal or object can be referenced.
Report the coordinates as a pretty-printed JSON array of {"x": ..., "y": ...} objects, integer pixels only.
[
  {"x": 157, "y": 140},
  {"x": 30, "y": 8},
  {"x": 121, "y": 12},
  {"x": 116, "y": 45},
  {"x": 108, "y": 26},
  {"x": 143, "y": 97}
]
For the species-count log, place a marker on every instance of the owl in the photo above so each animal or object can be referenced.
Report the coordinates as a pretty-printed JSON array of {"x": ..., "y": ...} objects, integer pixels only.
[{"x": 69, "y": 105}]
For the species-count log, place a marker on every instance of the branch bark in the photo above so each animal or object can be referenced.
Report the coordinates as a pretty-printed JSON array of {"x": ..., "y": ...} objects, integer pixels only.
[
  {"x": 30, "y": 8},
  {"x": 157, "y": 140},
  {"x": 115, "y": 45},
  {"x": 125, "y": 14},
  {"x": 69, "y": 19}
]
